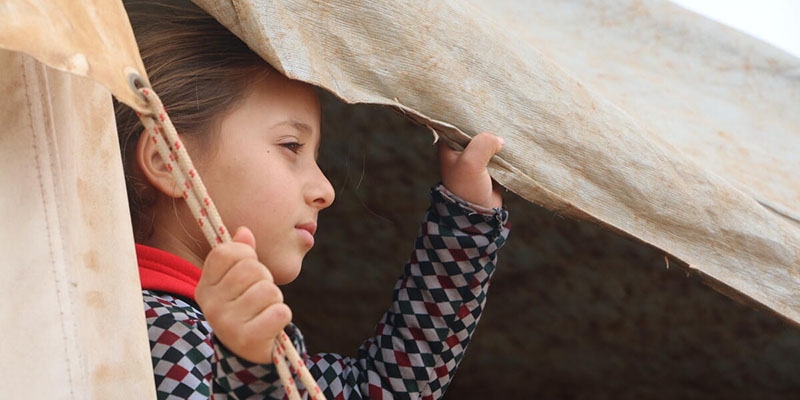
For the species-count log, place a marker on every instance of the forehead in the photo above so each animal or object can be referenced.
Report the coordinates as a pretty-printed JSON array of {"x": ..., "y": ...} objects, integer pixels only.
[
  {"x": 294, "y": 100},
  {"x": 276, "y": 104}
]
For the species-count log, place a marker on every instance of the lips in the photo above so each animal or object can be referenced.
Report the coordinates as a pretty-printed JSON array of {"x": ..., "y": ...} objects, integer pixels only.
[
  {"x": 310, "y": 227},
  {"x": 307, "y": 231}
]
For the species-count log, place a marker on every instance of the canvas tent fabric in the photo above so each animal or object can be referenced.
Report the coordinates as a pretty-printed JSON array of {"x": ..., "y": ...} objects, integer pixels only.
[
  {"x": 634, "y": 114},
  {"x": 71, "y": 318}
]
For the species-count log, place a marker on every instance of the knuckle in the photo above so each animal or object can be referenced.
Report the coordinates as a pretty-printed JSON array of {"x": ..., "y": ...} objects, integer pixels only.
[
  {"x": 229, "y": 252},
  {"x": 269, "y": 291},
  {"x": 211, "y": 311},
  {"x": 252, "y": 270},
  {"x": 242, "y": 274},
  {"x": 282, "y": 313},
  {"x": 274, "y": 293},
  {"x": 219, "y": 256}
]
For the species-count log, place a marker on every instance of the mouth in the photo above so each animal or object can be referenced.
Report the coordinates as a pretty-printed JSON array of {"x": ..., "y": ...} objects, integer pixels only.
[
  {"x": 310, "y": 227},
  {"x": 307, "y": 232}
]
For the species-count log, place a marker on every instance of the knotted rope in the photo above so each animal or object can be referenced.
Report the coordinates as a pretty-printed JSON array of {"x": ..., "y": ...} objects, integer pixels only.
[{"x": 160, "y": 130}]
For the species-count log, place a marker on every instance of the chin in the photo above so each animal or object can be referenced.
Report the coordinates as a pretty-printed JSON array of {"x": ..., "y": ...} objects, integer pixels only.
[
  {"x": 287, "y": 275},
  {"x": 286, "y": 267}
]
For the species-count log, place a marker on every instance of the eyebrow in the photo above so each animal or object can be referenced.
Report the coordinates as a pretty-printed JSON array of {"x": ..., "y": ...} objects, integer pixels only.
[{"x": 302, "y": 127}]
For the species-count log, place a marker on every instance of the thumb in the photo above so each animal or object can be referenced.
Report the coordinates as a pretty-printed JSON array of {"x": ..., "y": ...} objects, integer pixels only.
[
  {"x": 244, "y": 235},
  {"x": 482, "y": 148}
]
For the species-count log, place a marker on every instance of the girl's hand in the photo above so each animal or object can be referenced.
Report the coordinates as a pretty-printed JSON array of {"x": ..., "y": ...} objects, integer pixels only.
[
  {"x": 240, "y": 299},
  {"x": 465, "y": 174}
]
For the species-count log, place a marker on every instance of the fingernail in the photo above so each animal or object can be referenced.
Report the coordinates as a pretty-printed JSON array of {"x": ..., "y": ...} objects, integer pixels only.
[{"x": 502, "y": 141}]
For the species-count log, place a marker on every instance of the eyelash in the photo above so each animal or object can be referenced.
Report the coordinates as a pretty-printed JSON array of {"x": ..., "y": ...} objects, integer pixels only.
[{"x": 294, "y": 147}]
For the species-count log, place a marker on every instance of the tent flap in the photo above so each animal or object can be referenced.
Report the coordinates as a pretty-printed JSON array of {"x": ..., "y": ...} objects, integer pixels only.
[{"x": 80, "y": 37}]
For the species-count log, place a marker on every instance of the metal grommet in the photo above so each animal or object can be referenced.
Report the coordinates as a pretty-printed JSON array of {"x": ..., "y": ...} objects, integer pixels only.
[{"x": 136, "y": 82}]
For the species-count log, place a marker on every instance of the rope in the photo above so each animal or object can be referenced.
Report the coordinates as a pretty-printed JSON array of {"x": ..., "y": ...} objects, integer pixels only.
[{"x": 159, "y": 129}]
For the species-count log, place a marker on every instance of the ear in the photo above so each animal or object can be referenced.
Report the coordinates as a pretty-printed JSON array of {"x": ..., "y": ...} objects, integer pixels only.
[{"x": 154, "y": 168}]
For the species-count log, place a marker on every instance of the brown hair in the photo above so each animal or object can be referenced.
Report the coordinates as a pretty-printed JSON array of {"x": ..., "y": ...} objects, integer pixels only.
[{"x": 199, "y": 69}]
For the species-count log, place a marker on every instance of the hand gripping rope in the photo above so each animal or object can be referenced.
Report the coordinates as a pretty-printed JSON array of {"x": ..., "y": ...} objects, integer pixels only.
[{"x": 160, "y": 130}]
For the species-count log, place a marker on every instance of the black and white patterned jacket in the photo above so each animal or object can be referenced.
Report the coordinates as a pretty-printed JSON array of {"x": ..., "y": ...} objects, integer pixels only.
[{"x": 417, "y": 346}]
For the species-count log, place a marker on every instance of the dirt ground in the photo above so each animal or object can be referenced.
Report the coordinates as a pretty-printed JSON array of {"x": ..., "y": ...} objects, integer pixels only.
[{"x": 575, "y": 311}]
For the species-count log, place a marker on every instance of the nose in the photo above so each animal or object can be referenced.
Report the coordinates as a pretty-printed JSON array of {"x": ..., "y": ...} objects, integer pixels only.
[{"x": 320, "y": 193}]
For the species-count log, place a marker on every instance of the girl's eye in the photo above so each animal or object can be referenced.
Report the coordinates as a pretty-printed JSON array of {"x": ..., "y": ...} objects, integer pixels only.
[{"x": 294, "y": 147}]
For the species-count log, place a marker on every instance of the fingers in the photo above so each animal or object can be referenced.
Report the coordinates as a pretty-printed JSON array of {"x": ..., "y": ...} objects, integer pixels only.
[
  {"x": 465, "y": 173},
  {"x": 254, "y": 339},
  {"x": 257, "y": 298},
  {"x": 477, "y": 154},
  {"x": 239, "y": 278},
  {"x": 230, "y": 269},
  {"x": 240, "y": 299},
  {"x": 225, "y": 256},
  {"x": 249, "y": 324},
  {"x": 252, "y": 335},
  {"x": 270, "y": 322},
  {"x": 251, "y": 304}
]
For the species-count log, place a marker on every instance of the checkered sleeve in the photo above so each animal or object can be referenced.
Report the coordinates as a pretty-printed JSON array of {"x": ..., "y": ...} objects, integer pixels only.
[
  {"x": 436, "y": 305},
  {"x": 189, "y": 363}
]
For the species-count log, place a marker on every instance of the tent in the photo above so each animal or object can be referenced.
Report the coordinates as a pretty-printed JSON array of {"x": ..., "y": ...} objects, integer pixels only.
[{"x": 638, "y": 116}]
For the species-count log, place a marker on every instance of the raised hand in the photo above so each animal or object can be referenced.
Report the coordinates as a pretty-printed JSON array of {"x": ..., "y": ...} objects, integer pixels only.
[
  {"x": 240, "y": 300},
  {"x": 464, "y": 173}
]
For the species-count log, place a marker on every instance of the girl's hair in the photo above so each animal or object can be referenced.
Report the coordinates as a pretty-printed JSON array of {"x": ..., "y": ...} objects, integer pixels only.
[{"x": 199, "y": 69}]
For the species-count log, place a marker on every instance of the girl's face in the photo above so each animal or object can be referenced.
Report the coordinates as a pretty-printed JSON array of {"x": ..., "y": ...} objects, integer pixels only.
[{"x": 262, "y": 172}]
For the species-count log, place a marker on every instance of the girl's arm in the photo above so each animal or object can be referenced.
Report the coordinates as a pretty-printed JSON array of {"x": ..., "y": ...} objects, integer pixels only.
[
  {"x": 436, "y": 306},
  {"x": 438, "y": 301}
]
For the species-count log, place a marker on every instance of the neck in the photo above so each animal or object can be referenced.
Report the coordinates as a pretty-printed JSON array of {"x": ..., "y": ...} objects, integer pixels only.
[{"x": 173, "y": 236}]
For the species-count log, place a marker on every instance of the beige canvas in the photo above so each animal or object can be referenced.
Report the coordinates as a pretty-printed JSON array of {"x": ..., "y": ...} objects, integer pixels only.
[{"x": 71, "y": 321}]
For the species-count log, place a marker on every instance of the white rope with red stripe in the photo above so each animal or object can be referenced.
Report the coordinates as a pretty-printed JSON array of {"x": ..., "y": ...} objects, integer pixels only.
[{"x": 160, "y": 130}]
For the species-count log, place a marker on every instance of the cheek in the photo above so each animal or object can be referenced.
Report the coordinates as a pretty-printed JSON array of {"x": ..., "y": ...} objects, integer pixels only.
[
  {"x": 264, "y": 202},
  {"x": 273, "y": 193},
  {"x": 254, "y": 189},
  {"x": 274, "y": 182},
  {"x": 283, "y": 257}
]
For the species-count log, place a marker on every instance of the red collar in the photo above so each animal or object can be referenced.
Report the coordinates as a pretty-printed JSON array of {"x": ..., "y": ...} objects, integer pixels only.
[{"x": 166, "y": 272}]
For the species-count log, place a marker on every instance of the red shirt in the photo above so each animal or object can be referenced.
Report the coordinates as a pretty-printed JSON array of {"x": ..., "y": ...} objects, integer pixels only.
[{"x": 165, "y": 272}]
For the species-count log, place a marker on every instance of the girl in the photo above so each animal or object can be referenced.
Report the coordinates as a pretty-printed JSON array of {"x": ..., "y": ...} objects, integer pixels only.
[{"x": 254, "y": 136}]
